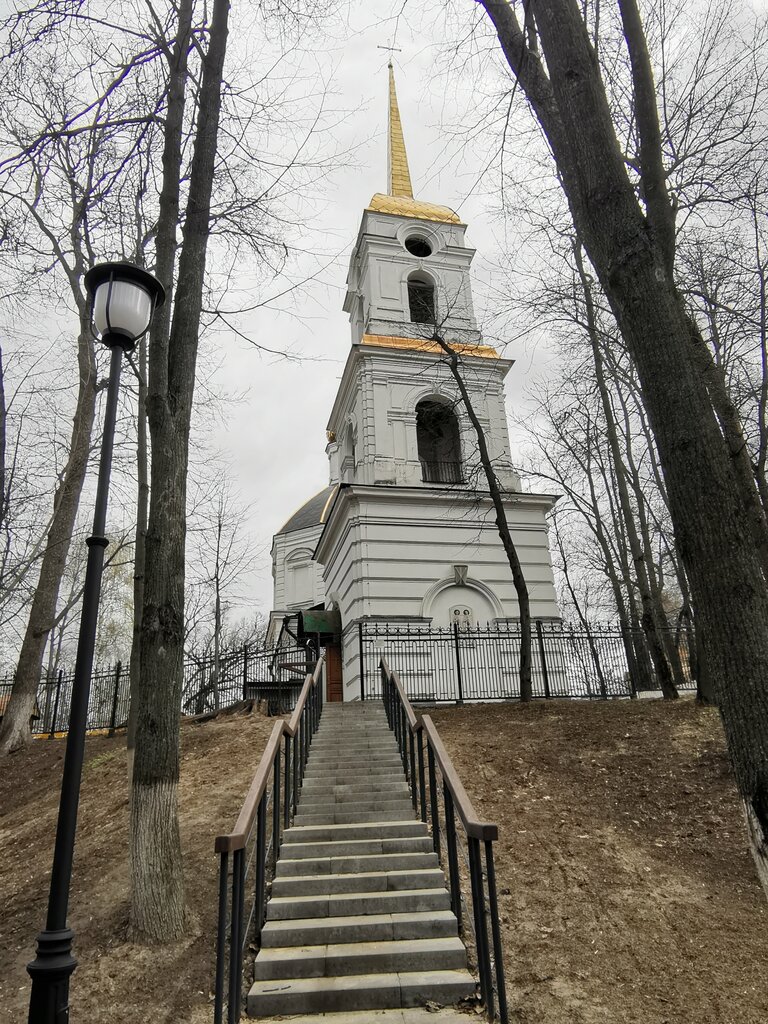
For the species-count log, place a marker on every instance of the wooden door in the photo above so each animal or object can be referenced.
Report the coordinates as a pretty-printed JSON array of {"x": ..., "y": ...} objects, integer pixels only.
[{"x": 333, "y": 685}]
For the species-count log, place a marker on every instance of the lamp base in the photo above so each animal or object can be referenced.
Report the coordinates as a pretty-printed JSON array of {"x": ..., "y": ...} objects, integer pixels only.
[{"x": 50, "y": 972}]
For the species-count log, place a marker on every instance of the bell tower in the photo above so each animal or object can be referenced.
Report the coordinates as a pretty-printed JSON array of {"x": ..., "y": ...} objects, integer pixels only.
[
  {"x": 409, "y": 269},
  {"x": 397, "y": 419},
  {"x": 405, "y": 530}
]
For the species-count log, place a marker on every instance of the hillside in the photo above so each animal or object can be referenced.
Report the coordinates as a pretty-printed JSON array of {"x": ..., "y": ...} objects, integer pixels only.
[{"x": 628, "y": 895}]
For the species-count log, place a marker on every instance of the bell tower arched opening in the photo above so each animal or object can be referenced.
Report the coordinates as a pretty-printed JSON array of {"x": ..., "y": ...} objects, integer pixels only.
[
  {"x": 437, "y": 441},
  {"x": 421, "y": 299}
]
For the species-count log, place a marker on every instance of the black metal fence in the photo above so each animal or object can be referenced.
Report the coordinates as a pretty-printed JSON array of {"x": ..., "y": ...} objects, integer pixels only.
[
  {"x": 275, "y": 675},
  {"x": 451, "y": 664},
  {"x": 433, "y": 783},
  {"x": 248, "y": 855}
]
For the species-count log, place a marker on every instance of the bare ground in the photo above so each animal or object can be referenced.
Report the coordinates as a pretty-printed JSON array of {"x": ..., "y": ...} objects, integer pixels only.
[
  {"x": 117, "y": 980},
  {"x": 627, "y": 891}
]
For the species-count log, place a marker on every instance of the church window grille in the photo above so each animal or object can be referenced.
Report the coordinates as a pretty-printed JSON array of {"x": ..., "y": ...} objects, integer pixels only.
[
  {"x": 421, "y": 300},
  {"x": 437, "y": 440}
]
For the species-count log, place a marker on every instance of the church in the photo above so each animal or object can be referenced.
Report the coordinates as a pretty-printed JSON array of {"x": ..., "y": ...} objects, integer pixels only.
[{"x": 405, "y": 531}]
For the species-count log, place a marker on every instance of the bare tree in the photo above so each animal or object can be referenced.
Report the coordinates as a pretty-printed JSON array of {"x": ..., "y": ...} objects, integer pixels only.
[{"x": 631, "y": 247}]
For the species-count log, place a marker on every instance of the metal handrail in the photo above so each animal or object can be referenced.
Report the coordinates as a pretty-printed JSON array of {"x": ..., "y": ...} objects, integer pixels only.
[
  {"x": 413, "y": 733},
  {"x": 283, "y": 761}
]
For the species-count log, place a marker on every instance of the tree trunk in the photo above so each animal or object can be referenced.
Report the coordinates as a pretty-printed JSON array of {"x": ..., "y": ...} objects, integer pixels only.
[
  {"x": 521, "y": 588},
  {"x": 15, "y": 730},
  {"x": 157, "y": 899},
  {"x": 717, "y": 546},
  {"x": 649, "y": 618}
]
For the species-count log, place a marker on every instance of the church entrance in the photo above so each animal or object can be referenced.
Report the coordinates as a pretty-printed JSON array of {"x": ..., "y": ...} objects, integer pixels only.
[{"x": 334, "y": 690}]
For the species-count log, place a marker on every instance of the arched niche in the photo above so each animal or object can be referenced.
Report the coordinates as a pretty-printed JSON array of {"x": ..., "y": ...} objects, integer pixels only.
[
  {"x": 299, "y": 578},
  {"x": 421, "y": 298},
  {"x": 438, "y": 442},
  {"x": 445, "y": 595}
]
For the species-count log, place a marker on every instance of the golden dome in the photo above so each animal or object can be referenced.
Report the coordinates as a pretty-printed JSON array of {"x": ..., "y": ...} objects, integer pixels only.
[{"x": 402, "y": 206}]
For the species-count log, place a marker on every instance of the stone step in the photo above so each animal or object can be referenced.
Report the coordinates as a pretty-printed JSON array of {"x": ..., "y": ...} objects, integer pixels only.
[
  {"x": 350, "y": 731},
  {"x": 359, "y": 928},
  {"x": 359, "y": 992},
  {"x": 331, "y": 760},
  {"x": 341, "y": 817},
  {"x": 343, "y": 775},
  {"x": 348, "y": 833},
  {"x": 362, "y": 881},
  {"x": 348, "y": 736},
  {"x": 324, "y": 805},
  {"x": 339, "y": 959},
  {"x": 407, "y": 1015},
  {"x": 346, "y": 864},
  {"x": 356, "y": 847},
  {"x": 282, "y": 908},
  {"x": 386, "y": 784}
]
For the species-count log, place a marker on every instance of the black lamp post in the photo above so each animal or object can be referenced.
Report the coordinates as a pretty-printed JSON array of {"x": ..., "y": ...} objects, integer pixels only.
[{"x": 123, "y": 298}]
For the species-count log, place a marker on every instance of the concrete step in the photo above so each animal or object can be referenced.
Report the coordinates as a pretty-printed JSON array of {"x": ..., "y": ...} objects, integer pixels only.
[
  {"x": 341, "y": 817},
  {"x": 351, "y": 864},
  {"x": 401, "y": 1015},
  {"x": 349, "y": 958},
  {"x": 360, "y": 992},
  {"x": 356, "y": 848},
  {"x": 386, "y": 784},
  {"x": 355, "y": 904},
  {"x": 362, "y": 881},
  {"x": 323, "y": 805},
  {"x": 359, "y": 928},
  {"x": 331, "y": 760},
  {"x": 343, "y": 775},
  {"x": 348, "y": 833},
  {"x": 348, "y": 739}
]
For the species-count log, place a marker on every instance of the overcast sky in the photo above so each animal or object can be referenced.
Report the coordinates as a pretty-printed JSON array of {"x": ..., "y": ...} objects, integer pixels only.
[{"x": 276, "y": 437}]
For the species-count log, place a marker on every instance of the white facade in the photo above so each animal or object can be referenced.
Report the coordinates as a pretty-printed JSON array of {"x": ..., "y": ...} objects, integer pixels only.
[{"x": 407, "y": 529}]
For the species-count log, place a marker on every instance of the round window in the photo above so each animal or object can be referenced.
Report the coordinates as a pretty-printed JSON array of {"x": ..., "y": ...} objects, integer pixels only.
[{"x": 418, "y": 246}]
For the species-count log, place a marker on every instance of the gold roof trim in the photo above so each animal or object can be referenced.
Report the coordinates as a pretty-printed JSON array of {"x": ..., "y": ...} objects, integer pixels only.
[
  {"x": 328, "y": 503},
  {"x": 398, "y": 175},
  {"x": 400, "y": 206},
  {"x": 426, "y": 345}
]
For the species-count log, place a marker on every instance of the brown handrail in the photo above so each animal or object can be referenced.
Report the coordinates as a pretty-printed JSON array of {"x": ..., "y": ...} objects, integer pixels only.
[
  {"x": 410, "y": 732},
  {"x": 292, "y": 725},
  {"x": 473, "y": 825},
  {"x": 413, "y": 721},
  {"x": 237, "y": 838}
]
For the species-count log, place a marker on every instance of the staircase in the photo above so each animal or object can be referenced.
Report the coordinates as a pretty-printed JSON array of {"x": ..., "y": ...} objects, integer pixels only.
[{"x": 359, "y": 917}]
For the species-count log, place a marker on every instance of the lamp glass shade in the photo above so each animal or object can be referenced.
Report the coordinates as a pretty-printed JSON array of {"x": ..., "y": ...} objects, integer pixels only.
[{"x": 122, "y": 307}]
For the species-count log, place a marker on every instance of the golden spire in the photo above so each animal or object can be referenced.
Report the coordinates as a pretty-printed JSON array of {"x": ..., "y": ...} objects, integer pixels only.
[{"x": 399, "y": 178}]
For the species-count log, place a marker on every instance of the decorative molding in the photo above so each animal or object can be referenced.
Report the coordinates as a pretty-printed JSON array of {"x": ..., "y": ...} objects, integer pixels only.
[{"x": 472, "y": 584}]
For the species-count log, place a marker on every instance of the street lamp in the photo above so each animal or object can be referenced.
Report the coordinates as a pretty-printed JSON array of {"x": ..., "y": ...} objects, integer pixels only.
[{"x": 122, "y": 298}]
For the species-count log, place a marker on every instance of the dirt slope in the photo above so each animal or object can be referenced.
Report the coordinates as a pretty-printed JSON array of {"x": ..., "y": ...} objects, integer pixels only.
[
  {"x": 628, "y": 893},
  {"x": 116, "y": 980}
]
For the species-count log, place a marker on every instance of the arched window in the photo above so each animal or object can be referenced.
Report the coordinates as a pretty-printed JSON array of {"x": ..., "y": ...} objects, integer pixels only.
[
  {"x": 437, "y": 439},
  {"x": 421, "y": 299}
]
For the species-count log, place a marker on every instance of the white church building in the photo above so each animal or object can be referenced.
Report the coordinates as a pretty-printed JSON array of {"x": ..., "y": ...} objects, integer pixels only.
[{"x": 405, "y": 531}]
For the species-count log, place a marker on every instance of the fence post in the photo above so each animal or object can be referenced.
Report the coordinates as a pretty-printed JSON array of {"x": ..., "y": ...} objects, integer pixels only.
[
  {"x": 362, "y": 659},
  {"x": 245, "y": 671},
  {"x": 113, "y": 716},
  {"x": 56, "y": 703},
  {"x": 543, "y": 657},
  {"x": 458, "y": 661}
]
